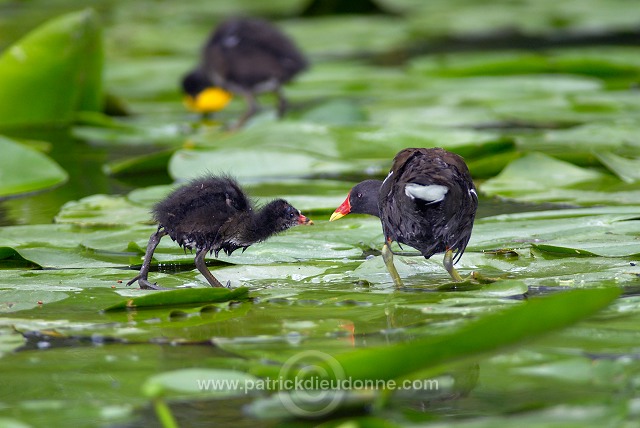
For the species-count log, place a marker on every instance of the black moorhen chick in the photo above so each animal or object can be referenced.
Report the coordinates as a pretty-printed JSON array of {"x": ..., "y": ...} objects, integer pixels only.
[
  {"x": 212, "y": 214},
  {"x": 245, "y": 56},
  {"x": 428, "y": 201}
]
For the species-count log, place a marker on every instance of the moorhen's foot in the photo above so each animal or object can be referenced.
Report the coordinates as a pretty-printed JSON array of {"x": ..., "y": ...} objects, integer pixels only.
[
  {"x": 146, "y": 285},
  {"x": 477, "y": 276},
  {"x": 134, "y": 280},
  {"x": 387, "y": 256}
]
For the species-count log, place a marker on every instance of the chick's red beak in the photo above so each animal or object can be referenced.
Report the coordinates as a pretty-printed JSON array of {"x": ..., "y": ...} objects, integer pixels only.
[
  {"x": 305, "y": 220},
  {"x": 342, "y": 210}
]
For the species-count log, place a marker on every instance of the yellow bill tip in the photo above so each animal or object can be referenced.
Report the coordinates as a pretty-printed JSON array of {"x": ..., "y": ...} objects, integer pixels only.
[{"x": 336, "y": 216}]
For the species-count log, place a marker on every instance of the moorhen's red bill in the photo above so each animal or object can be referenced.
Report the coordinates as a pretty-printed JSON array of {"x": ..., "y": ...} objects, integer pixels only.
[
  {"x": 428, "y": 201},
  {"x": 211, "y": 214},
  {"x": 246, "y": 56}
]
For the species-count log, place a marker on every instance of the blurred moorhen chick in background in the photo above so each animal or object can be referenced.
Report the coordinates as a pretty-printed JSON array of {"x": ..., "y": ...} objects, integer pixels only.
[
  {"x": 428, "y": 201},
  {"x": 245, "y": 56},
  {"x": 211, "y": 214}
]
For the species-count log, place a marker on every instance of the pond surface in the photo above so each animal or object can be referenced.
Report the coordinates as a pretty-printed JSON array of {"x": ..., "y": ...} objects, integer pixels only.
[{"x": 550, "y": 135}]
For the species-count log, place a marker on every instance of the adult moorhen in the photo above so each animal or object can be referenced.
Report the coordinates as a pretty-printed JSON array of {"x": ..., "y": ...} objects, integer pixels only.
[
  {"x": 213, "y": 213},
  {"x": 245, "y": 56},
  {"x": 427, "y": 201}
]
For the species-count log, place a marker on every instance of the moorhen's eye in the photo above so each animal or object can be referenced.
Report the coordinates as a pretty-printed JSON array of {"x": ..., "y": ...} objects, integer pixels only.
[{"x": 359, "y": 195}]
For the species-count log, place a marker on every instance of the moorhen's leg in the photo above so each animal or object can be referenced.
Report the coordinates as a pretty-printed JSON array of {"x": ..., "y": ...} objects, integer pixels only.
[
  {"x": 253, "y": 108},
  {"x": 448, "y": 265},
  {"x": 387, "y": 256},
  {"x": 202, "y": 267},
  {"x": 282, "y": 102},
  {"x": 154, "y": 240}
]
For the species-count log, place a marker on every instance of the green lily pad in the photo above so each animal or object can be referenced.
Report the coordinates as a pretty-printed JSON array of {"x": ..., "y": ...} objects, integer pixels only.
[
  {"x": 337, "y": 112},
  {"x": 132, "y": 132},
  {"x": 476, "y": 338},
  {"x": 10, "y": 258},
  {"x": 628, "y": 170},
  {"x": 250, "y": 165},
  {"x": 59, "y": 64},
  {"x": 578, "y": 144},
  {"x": 19, "y": 300},
  {"x": 540, "y": 178},
  {"x": 537, "y": 172},
  {"x": 357, "y": 34},
  {"x": 609, "y": 232},
  {"x": 25, "y": 170},
  {"x": 210, "y": 382},
  {"x": 613, "y": 63},
  {"x": 142, "y": 164},
  {"x": 102, "y": 210},
  {"x": 187, "y": 296},
  {"x": 61, "y": 246}
]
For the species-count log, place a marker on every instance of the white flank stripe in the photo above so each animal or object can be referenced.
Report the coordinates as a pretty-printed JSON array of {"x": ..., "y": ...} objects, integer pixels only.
[
  {"x": 431, "y": 193},
  {"x": 389, "y": 175}
]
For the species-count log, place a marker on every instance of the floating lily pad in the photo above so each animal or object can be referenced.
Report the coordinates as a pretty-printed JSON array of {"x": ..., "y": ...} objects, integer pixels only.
[
  {"x": 59, "y": 64},
  {"x": 187, "y": 296},
  {"x": 578, "y": 144},
  {"x": 10, "y": 258},
  {"x": 20, "y": 300},
  {"x": 605, "y": 231},
  {"x": 102, "y": 210},
  {"x": 60, "y": 246},
  {"x": 536, "y": 172},
  {"x": 24, "y": 170},
  {"x": 143, "y": 164},
  {"x": 400, "y": 360},
  {"x": 628, "y": 170},
  {"x": 210, "y": 382},
  {"x": 251, "y": 165},
  {"x": 541, "y": 178},
  {"x": 614, "y": 63},
  {"x": 356, "y": 34}
]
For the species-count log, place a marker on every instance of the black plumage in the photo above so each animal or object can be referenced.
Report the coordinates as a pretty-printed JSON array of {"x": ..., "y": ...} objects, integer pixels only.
[
  {"x": 247, "y": 56},
  {"x": 428, "y": 201},
  {"x": 211, "y": 214}
]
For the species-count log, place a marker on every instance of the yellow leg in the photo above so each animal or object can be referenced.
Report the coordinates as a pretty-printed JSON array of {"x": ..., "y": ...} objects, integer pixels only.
[
  {"x": 387, "y": 256},
  {"x": 448, "y": 265}
]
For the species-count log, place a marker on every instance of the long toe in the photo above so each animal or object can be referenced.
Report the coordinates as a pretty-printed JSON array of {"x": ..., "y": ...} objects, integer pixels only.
[
  {"x": 477, "y": 276},
  {"x": 146, "y": 285},
  {"x": 134, "y": 280}
]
